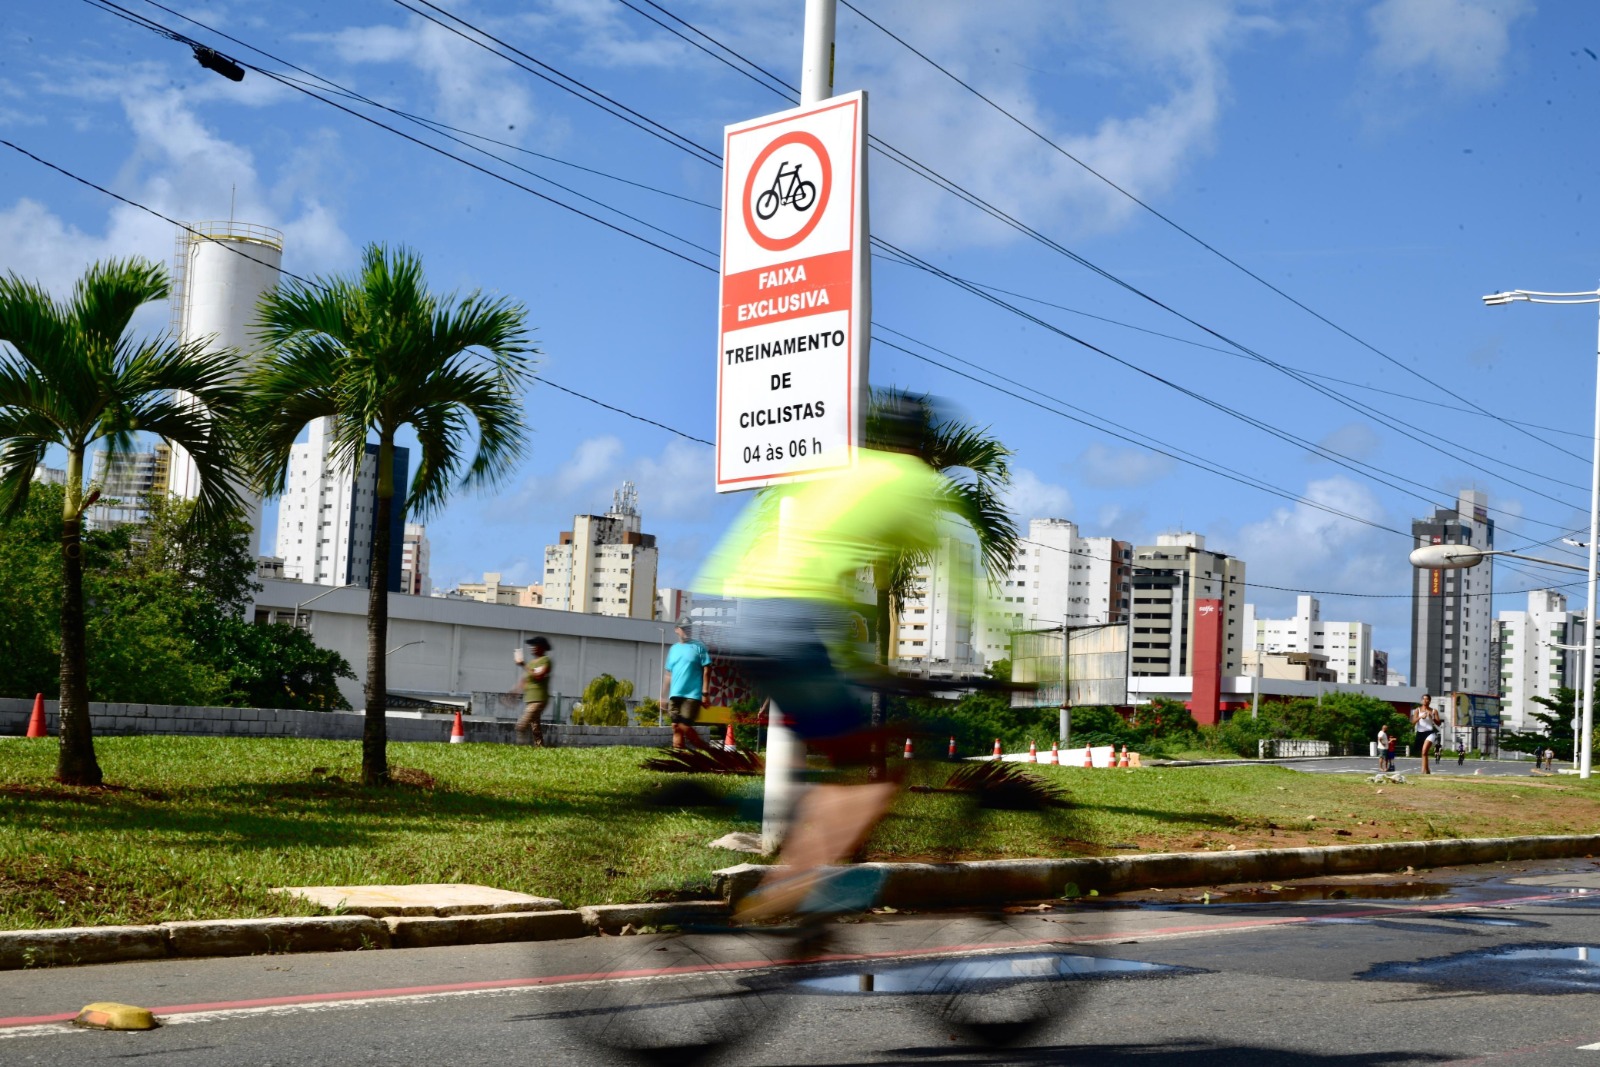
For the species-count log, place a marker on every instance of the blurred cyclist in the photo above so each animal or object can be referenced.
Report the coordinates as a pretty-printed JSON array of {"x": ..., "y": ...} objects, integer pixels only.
[{"x": 796, "y": 559}]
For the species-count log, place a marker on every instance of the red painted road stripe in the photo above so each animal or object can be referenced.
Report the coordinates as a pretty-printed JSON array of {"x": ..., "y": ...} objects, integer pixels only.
[{"x": 593, "y": 976}]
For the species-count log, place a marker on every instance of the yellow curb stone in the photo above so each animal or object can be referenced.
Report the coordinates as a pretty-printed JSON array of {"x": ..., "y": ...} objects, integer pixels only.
[{"x": 109, "y": 1015}]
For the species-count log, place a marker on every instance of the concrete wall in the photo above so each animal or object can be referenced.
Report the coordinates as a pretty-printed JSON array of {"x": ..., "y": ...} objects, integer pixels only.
[
  {"x": 121, "y": 719},
  {"x": 451, "y": 647}
]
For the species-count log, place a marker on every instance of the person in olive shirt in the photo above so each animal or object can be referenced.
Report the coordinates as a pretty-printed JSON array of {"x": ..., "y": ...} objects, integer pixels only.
[{"x": 535, "y": 691}]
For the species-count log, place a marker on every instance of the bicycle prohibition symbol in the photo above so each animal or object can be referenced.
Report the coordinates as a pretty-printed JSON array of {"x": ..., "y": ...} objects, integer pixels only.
[{"x": 798, "y": 192}]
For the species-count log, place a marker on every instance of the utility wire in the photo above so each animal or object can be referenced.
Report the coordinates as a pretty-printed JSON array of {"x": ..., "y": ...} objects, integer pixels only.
[
  {"x": 1361, "y": 410},
  {"x": 1195, "y": 238},
  {"x": 909, "y": 259},
  {"x": 304, "y": 280}
]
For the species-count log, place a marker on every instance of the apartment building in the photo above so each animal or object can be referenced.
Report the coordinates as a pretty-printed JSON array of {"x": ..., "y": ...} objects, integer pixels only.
[
  {"x": 1057, "y": 577},
  {"x": 414, "y": 560},
  {"x": 934, "y": 625},
  {"x": 604, "y": 565},
  {"x": 1345, "y": 646},
  {"x": 1188, "y": 617},
  {"x": 1452, "y": 627},
  {"x": 1533, "y": 661}
]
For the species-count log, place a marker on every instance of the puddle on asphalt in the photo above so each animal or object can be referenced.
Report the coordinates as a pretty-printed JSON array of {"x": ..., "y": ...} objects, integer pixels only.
[
  {"x": 1517, "y": 969},
  {"x": 970, "y": 973},
  {"x": 1349, "y": 891},
  {"x": 1484, "y": 920}
]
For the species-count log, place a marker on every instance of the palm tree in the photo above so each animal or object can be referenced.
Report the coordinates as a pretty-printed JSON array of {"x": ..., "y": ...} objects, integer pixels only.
[
  {"x": 72, "y": 378},
  {"x": 976, "y": 474},
  {"x": 374, "y": 353}
]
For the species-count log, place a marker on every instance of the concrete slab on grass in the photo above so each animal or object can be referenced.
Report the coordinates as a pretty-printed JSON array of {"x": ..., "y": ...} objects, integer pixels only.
[
  {"x": 431, "y": 931},
  {"x": 437, "y": 899}
]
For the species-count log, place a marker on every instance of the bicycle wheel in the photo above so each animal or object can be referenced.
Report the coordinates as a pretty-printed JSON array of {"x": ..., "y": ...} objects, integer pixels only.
[
  {"x": 805, "y": 194},
  {"x": 766, "y": 205},
  {"x": 677, "y": 998}
]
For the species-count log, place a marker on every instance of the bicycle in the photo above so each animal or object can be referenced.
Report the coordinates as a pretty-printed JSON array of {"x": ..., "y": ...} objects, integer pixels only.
[
  {"x": 801, "y": 194},
  {"x": 700, "y": 989}
]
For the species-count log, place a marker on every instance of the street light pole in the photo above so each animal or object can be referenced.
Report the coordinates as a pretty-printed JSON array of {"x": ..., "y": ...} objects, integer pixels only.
[
  {"x": 1584, "y": 753},
  {"x": 319, "y": 596}
]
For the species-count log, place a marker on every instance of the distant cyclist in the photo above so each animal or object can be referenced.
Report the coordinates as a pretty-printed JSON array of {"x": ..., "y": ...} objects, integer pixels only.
[{"x": 795, "y": 560}]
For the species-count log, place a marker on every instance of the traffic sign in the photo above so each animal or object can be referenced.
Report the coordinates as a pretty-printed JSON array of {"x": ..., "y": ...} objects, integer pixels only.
[{"x": 792, "y": 339}]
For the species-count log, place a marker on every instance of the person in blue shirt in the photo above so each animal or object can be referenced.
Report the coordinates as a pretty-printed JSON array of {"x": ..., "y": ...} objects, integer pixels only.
[{"x": 683, "y": 686}]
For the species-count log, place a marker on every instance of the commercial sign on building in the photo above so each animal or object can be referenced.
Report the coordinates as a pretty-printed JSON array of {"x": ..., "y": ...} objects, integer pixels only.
[{"x": 792, "y": 352}]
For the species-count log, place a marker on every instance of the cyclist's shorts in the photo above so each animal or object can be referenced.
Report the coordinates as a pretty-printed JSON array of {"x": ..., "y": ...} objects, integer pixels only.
[{"x": 780, "y": 649}]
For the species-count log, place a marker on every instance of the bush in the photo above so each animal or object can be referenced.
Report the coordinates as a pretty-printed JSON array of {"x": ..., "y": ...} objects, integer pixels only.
[
  {"x": 1350, "y": 720},
  {"x": 605, "y": 702}
]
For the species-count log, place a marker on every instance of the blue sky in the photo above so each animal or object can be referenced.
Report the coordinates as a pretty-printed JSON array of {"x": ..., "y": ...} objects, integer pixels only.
[{"x": 1385, "y": 164}]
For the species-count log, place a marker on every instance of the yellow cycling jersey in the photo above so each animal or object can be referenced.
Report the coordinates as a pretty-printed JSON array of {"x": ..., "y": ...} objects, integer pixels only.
[{"x": 828, "y": 531}]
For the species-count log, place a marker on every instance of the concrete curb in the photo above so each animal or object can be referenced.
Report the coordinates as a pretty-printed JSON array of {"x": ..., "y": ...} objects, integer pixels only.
[
  {"x": 909, "y": 885},
  {"x": 432, "y": 932},
  {"x": 935, "y": 885},
  {"x": 255, "y": 937}
]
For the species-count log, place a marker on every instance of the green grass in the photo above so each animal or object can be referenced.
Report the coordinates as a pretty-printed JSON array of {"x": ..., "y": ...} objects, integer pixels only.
[{"x": 202, "y": 827}]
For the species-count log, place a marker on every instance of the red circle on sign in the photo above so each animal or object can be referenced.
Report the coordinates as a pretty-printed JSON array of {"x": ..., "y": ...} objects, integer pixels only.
[{"x": 781, "y": 244}]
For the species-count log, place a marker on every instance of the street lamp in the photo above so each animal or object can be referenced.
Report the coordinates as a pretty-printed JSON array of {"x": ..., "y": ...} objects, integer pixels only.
[
  {"x": 319, "y": 596},
  {"x": 1530, "y": 297},
  {"x": 408, "y": 644}
]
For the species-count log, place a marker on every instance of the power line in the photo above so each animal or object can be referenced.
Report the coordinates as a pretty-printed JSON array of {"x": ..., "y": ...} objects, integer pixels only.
[
  {"x": 1287, "y": 437},
  {"x": 1366, "y": 412},
  {"x": 1195, "y": 238},
  {"x": 307, "y": 281}
]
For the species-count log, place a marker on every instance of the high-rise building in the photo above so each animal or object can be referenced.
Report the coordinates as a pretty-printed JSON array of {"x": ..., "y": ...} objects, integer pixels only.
[
  {"x": 1188, "y": 617},
  {"x": 934, "y": 624},
  {"x": 414, "y": 578},
  {"x": 127, "y": 480},
  {"x": 326, "y": 516},
  {"x": 604, "y": 565},
  {"x": 1346, "y": 646},
  {"x": 1452, "y": 617},
  {"x": 1057, "y": 576},
  {"x": 1533, "y": 662},
  {"x": 493, "y": 591}
]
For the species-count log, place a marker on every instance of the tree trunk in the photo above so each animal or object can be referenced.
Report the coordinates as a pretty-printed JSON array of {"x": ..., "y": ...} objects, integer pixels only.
[
  {"x": 375, "y": 730},
  {"x": 75, "y": 761}
]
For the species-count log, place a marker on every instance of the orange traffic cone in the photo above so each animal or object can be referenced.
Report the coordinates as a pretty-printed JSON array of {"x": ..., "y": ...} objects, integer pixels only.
[
  {"x": 1055, "y": 753},
  {"x": 1033, "y": 751},
  {"x": 458, "y": 732},
  {"x": 728, "y": 743},
  {"x": 1088, "y": 756},
  {"x": 1124, "y": 762},
  {"x": 952, "y": 753},
  {"x": 907, "y": 753},
  {"x": 997, "y": 748},
  {"x": 36, "y": 720}
]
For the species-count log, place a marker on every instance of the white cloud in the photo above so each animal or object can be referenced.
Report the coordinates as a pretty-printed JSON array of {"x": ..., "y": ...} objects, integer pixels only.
[
  {"x": 592, "y": 461},
  {"x": 674, "y": 484},
  {"x": 181, "y": 167},
  {"x": 475, "y": 91},
  {"x": 1463, "y": 43},
  {"x": 1145, "y": 150},
  {"x": 1108, "y": 467},
  {"x": 1030, "y": 497},
  {"x": 1357, "y": 440}
]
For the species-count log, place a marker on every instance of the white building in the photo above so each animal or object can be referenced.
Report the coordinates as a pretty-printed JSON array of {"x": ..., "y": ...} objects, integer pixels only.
[
  {"x": 220, "y": 272},
  {"x": 1057, "y": 576},
  {"x": 126, "y": 481},
  {"x": 453, "y": 648},
  {"x": 604, "y": 565},
  {"x": 1347, "y": 646},
  {"x": 326, "y": 516},
  {"x": 1452, "y": 620},
  {"x": 414, "y": 556},
  {"x": 1531, "y": 663},
  {"x": 935, "y": 624}
]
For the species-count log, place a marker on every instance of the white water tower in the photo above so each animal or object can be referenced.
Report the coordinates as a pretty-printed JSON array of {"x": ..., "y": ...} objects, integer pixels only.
[{"x": 220, "y": 272}]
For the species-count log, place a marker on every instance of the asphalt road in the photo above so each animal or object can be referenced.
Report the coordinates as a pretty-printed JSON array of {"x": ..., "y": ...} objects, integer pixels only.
[
  {"x": 1368, "y": 765},
  {"x": 1486, "y": 965}
]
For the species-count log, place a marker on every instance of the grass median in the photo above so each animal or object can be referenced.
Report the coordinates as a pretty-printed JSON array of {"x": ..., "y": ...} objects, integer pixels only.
[{"x": 196, "y": 828}]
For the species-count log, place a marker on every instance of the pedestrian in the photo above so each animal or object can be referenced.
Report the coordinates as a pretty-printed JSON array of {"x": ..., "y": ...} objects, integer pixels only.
[
  {"x": 1461, "y": 751},
  {"x": 1383, "y": 749},
  {"x": 1549, "y": 759},
  {"x": 685, "y": 677},
  {"x": 535, "y": 691},
  {"x": 1426, "y": 719},
  {"x": 1538, "y": 758}
]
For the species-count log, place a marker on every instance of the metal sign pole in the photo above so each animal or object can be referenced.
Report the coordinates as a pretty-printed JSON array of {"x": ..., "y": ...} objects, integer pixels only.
[{"x": 785, "y": 752}]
